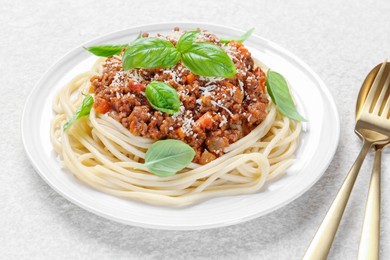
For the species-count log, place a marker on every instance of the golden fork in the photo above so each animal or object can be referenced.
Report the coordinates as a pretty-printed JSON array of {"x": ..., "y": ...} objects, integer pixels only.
[
  {"x": 370, "y": 238},
  {"x": 373, "y": 127}
]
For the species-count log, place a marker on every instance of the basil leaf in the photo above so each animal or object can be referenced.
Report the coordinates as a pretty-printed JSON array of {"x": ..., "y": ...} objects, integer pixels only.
[
  {"x": 208, "y": 59},
  {"x": 241, "y": 38},
  {"x": 162, "y": 97},
  {"x": 166, "y": 157},
  {"x": 105, "y": 50},
  {"x": 279, "y": 92},
  {"x": 83, "y": 110},
  {"x": 186, "y": 40},
  {"x": 108, "y": 50},
  {"x": 150, "y": 53}
]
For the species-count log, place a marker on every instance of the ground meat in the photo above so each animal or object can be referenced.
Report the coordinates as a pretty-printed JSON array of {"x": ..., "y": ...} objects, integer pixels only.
[{"x": 214, "y": 112}]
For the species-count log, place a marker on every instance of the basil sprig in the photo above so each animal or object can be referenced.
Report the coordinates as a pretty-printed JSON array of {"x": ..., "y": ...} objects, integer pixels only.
[
  {"x": 150, "y": 53},
  {"x": 279, "y": 92},
  {"x": 167, "y": 157},
  {"x": 241, "y": 38},
  {"x": 201, "y": 58},
  {"x": 83, "y": 110},
  {"x": 162, "y": 97}
]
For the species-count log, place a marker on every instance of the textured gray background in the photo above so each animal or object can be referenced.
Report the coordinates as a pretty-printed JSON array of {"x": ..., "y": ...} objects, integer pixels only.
[{"x": 340, "y": 40}]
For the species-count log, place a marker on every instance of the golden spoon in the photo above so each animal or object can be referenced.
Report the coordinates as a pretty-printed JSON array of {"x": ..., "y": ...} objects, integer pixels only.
[{"x": 370, "y": 237}]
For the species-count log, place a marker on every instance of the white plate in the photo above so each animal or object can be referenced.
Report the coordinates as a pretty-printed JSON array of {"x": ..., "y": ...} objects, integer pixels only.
[{"x": 318, "y": 142}]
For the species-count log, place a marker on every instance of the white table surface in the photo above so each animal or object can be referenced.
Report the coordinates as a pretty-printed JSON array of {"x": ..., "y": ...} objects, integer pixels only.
[{"x": 340, "y": 40}]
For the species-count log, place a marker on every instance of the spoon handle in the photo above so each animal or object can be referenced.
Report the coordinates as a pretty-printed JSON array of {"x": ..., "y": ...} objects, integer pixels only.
[
  {"x": 369, "y": 241},
  {"x": 323, "y": 239}
]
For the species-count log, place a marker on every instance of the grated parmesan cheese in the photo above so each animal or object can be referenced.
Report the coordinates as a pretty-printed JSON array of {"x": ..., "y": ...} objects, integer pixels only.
[
  {"x": 241, "y": 85},
  {"x": 232, "y": 90},
  {"x": 208, "y": 90},
  {"x": 221, "y": 106},
  {"x": 136, "y": 76},
  {"x": 224, "y": 121},
  {"x": 210, "y": 80},
  {"x": 176, "y": 115},
  {"x": 173, "y": 74},
  {"x": 187, "y": 126}
]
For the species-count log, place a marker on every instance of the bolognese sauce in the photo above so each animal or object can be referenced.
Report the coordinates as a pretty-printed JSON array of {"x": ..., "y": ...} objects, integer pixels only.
[{"x": 214, "y": 112}]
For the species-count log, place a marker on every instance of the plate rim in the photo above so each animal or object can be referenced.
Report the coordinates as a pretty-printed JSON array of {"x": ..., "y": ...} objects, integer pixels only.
[{"x": 322, "y": 86}]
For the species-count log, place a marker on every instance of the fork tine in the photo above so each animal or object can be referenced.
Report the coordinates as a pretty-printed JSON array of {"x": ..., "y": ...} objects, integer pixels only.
[
  {"x": 386, "y": 109},
  {"x": 385, "y": 112},
  {"x": 374, "y": 88},
  {"x": 383, "y": 96}
]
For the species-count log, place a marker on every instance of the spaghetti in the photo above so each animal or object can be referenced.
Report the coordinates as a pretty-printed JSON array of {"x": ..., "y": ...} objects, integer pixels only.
[{"x": 99, "y": 151}]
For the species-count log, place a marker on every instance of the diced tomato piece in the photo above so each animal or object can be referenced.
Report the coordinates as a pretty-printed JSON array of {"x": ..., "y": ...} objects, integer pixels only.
[
  {"x": 137, "y": 87},
  {"x": 206, "y": 121},
  {"x": 101, "y": 106}
]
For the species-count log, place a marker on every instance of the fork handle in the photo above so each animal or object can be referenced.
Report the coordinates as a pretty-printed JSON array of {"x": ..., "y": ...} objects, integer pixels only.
[
  {"x": 323, "y": 239},
  {"x": 369, "y": 241}
]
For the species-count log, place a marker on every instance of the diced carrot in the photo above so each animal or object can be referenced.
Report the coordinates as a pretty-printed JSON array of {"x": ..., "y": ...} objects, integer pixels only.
[
  {"x": 206, "y": 101},
  {"x": 238, "y": 96},
  {"x": 243, "y": 50},
  {"x": 262, "y": 79},
  {"x": 101, "y": 106},
  {"x": 190, "y": 78},
  {"x": 180, "y": 133},
  {"x": 263, "y": 87},
  {"x": 205, "y": 121},
  {"x": 235, "y": 43},
  {"x": 206, "y": 157},
  {"x": 91, "y": 89},
  {"x": 132, "y": 126},
  {"x": 228, "y": 84}
]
